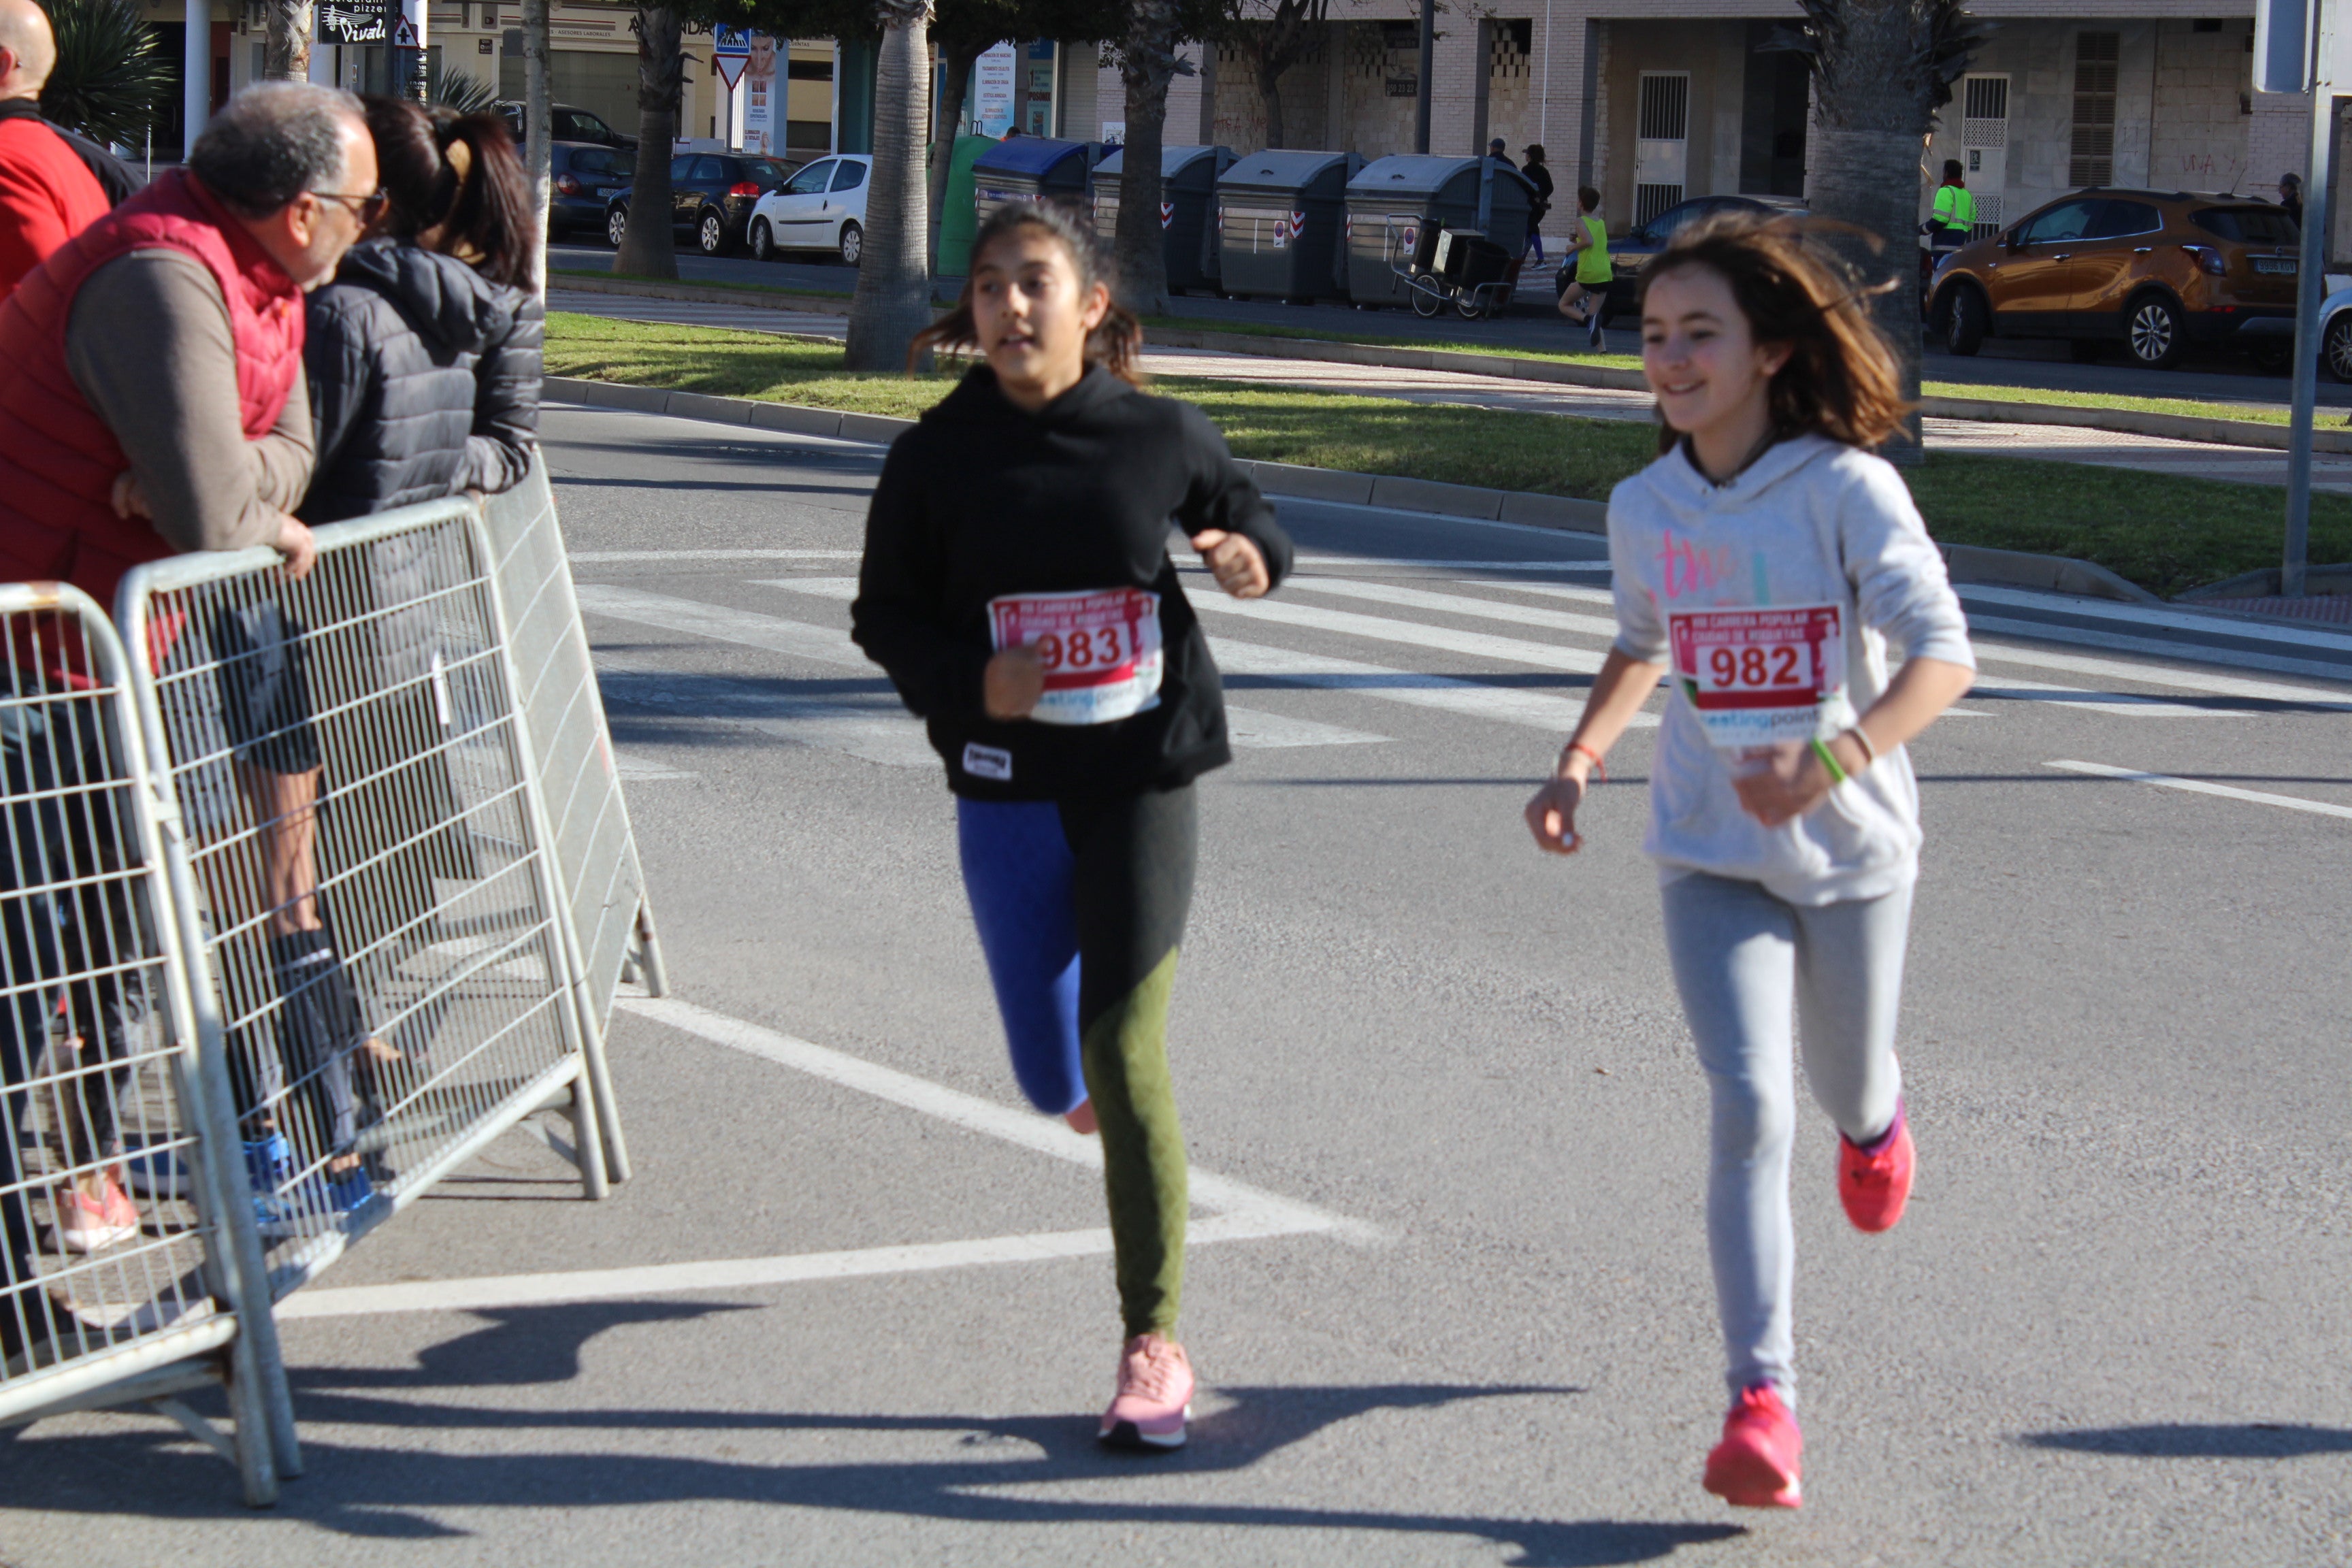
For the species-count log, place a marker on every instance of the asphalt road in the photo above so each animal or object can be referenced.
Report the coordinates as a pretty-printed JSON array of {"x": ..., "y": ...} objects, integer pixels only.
[
  {"x": 2212, "y": 375},
  {"x": 1450, "y": 1302}
]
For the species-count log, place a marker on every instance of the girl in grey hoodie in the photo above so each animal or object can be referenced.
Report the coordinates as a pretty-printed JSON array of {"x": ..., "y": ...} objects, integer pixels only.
[{"x": 1764, "y": 563}]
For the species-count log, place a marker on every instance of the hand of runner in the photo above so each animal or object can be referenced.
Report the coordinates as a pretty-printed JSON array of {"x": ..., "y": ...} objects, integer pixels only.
[
  {"x": 1014, "y": 680},
  {"x": 1789, "y": 785},
  {"x": 1239, "y": 566},
  {"x": 295, "y": 543},
  {"x": 1551, "y": 814}
]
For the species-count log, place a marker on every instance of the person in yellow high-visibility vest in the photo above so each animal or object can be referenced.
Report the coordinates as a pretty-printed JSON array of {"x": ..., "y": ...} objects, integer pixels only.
[
  {"x": 1954, "y": 222},
  {"x": 1585, "y": 272}
]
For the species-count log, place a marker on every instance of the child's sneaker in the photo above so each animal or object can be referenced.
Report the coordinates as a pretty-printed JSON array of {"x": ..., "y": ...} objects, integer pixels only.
[
  {"x": 1755, "y": 1466},
  {"x": 92, "y": 1225},
  {"x": 1592, "y": 330},
  {"x": 1874, "y": 1181},
  {"x": 1155, "y": 1396}
]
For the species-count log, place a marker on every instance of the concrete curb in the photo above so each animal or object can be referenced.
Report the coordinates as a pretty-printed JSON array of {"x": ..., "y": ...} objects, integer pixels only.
[
  {"x": 1993, "y": 410},
  {"x": 1968, "y": 563}
]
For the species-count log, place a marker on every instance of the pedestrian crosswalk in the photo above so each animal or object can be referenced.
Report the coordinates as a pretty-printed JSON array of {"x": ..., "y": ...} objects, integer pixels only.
[{"x": 1287, "y": 643}]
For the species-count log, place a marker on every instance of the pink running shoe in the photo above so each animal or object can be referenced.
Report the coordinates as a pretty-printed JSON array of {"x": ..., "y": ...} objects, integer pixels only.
[
  {"x": 1755, "y": 1466},
  {"x": 1874, "y": 1182},
  {"x": 93, "y": 1225},
  {"x": 1155, "y": 1396}
]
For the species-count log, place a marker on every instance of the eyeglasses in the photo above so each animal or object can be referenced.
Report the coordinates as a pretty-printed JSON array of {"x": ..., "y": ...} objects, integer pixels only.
[{"x": 367, "y": 208}]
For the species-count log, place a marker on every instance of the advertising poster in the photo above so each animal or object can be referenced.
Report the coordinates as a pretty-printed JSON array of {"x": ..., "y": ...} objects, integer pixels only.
[
  {"x": 992, "y": 90},
  {"x": 764, "y": 108}
]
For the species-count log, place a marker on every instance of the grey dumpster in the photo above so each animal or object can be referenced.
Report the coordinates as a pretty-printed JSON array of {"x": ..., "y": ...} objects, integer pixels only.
[
  {"x": 1278, "y": 217},
  {"x": 1032, "y": 168},
  {"x": 1188, "y": 191},
  {"x": 1394, "y": 202}
]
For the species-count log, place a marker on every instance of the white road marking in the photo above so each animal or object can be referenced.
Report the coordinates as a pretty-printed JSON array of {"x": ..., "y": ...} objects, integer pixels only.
[
  {"x": 686, "y": 557},
  {"x": 1603, "y": 627},
  {"x": 2313, "y": 637},
  {"x": 893, "y": 738},
  {"x": 1535, "y": 710},
  {"x": 1379, "y": 628},
  {"x": 635, "y": 768},
  {"x": 2216, "y": 685},
  {"x": 1237, "y": 1211},
  {"x": 1551, "y": 590},
  {"x": 2198, "y": 786}
]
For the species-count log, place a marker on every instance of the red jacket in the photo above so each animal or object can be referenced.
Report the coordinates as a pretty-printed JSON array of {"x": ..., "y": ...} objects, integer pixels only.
[
  {"x": 47, "y": 196},
  {"x": 57, "y": 459}
]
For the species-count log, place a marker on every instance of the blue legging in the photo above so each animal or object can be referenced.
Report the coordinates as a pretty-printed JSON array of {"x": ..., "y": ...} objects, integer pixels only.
[{"x": 1081, "y": 909}]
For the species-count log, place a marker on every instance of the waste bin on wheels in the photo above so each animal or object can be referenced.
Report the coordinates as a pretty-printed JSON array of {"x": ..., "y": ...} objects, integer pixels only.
[
  {"x": 957, "y": 219},
  {"x": 1033, "y": 168},
  {"x": 1398, "y": 210},
  {"x": 1278, "y": 218},
  {"x": 1188, "y": 189}
]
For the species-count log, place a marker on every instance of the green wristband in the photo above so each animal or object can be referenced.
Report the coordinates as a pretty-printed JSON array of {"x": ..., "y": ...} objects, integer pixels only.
[{"x": 1828, "y": 761}]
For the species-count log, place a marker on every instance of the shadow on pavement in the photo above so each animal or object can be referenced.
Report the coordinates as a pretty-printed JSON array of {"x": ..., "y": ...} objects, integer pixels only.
[
  {"x": 383, "y": 1492},
  {"x": 2183, "y": 1440}
]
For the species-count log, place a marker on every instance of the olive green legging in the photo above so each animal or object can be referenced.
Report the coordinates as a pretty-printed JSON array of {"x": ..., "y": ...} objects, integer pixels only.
[{"x": 1081, "y": 907}]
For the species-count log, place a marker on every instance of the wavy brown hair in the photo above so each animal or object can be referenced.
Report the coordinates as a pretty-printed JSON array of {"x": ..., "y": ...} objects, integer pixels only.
[
  {"x": 1841, "y": 380},
  {"x": 1117, "y": 344}
]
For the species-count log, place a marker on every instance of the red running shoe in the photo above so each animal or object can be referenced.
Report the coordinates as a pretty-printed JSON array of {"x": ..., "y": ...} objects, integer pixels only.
[
  {"x": 1755, "y": 1466},
  {"x": 1874, "y": 1182}
]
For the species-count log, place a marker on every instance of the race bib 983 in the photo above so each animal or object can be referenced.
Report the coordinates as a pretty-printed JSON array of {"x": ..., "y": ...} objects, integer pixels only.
[
  {"x": 1760, "y": 678},
  {"x": 1100, "y": 648}
]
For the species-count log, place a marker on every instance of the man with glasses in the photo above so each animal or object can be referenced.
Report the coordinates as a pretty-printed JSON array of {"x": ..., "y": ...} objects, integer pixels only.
[{"x": 151, "y": 402}]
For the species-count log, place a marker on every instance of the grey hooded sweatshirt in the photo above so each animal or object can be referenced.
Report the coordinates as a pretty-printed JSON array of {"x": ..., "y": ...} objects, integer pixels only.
[{"x": 1774, "y": 600}]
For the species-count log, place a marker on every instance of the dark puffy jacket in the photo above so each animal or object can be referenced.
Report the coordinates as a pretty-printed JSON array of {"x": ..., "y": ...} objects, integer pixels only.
[{"x": 424, "y": 382}]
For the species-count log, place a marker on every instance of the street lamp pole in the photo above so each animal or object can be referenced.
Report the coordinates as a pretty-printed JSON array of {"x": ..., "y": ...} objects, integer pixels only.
[{"x": 2294, "y": 42}]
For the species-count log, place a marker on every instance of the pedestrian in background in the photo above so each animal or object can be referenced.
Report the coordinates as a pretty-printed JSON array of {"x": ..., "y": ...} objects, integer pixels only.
[
  {"x": 1952, "y": 220},
  {"x": 1585, "y": 270},
  {"x": 53, "y": 183},
  {"x": 1539, "y": 177},
  {"x": 1500, "y": 154},
  {"x": 1018, "y": 589},
  {"x": 2290, "y": 190},
  {"x": 1763, "y": 565},
  {"x": 151, "y": 402}
]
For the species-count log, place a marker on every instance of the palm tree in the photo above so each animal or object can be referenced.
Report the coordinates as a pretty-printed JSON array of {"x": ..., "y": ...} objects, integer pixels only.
[
  {"x": 1148, "y": 62},
  {"x": 108, "y": 81},
  {"x": 647, "y": 249},
  {"x": 893, "y": 301},
  {"x": 459, "y": 89},
  {"x": 286, "y": 51},
  {"x": 1881, "y": 70}
]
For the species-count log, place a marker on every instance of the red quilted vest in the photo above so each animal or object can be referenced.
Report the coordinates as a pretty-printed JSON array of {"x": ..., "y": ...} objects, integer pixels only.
[{"x": 57, "y": 459}]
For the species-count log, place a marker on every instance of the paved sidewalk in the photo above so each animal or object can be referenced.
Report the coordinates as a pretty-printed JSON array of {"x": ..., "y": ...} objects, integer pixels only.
[{"x": 2200, "y": 459}]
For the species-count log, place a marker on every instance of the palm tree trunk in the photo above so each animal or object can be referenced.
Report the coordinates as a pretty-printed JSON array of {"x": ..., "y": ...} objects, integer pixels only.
[
  {"x": 1880, "y": 69},
  {"x": 1147, "y": 63},
  {"x": 286, "y": 53},
  {"x": 952, "y": 93},
  {"x": 648, "y": 249},
  {"x": 893, "y": 301}
]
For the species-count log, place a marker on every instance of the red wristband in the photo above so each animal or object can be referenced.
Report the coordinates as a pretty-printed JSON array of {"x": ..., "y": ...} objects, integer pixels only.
[{"x": 1599, "y": 768}]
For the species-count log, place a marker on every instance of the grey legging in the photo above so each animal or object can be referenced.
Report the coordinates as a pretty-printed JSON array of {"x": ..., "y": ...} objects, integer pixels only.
[{"x": 1741, "y": 958}]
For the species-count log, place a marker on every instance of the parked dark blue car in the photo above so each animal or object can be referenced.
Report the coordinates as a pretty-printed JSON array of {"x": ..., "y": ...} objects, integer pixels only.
[
  {"x": 712, "y": 198},
  {"x": 587, "y": 178}
]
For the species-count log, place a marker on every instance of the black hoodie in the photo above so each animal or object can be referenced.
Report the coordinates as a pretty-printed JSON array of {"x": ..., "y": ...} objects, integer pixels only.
[
  {"x": 981, "y": 499},
  {"x": 424, "y": 381}
]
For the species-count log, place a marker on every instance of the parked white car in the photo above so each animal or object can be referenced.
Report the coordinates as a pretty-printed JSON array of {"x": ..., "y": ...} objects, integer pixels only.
[{"x": 821, "y": 207}]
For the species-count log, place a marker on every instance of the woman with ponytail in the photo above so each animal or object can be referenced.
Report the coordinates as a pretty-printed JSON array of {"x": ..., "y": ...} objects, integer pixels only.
[
  {"x": 423, "y": 353},
  {"x": 1017, "y": 588}
]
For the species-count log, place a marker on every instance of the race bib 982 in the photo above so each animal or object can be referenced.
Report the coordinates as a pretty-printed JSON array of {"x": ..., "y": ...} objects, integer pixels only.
[
  {"x": 1100, "y": 649},
  {"x": 1760, "y": 678}
]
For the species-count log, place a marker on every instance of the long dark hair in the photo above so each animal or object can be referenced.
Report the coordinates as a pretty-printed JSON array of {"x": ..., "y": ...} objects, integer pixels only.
[
  {"x": 1116, "y": 345},
  {"x": 1841, "y": 379},
  {"x": 459, "y": 174}
]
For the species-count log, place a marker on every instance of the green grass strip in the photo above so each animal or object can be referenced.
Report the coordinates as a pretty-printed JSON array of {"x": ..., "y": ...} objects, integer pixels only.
[{"x": 2163, "y": 532}]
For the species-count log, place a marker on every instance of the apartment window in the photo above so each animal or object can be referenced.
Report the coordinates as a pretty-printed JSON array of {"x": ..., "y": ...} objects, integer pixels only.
[{"x": 2092, "y": 159}]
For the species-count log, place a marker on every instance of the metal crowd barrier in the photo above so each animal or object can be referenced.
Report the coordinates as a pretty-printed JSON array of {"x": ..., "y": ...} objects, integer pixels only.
[
  {"x": 131, "y": 1270},
  {"x": 612, "y": 921}
]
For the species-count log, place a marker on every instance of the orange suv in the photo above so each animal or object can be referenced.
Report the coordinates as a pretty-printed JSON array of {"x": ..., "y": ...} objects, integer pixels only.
[{"x": 2152, "y": 271}]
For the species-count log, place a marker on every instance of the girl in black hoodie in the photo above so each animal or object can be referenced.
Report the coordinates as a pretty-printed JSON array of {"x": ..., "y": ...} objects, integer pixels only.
[{"x": 1018, "y": 589}]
